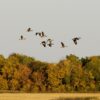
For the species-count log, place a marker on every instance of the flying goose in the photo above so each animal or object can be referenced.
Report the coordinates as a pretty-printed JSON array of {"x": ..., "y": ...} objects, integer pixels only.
[
  {"x": 22, "y": 38},
  {"x": 49, "y": 41},
  {"x": 75, "y": 40},
  {"x": 43, "y": 34},
  {"x": 63, "y": 45},
  {"x": 43, "y": 43},
  {"x": 38, "y": 33},
  {"x": 29, "y": 29}
]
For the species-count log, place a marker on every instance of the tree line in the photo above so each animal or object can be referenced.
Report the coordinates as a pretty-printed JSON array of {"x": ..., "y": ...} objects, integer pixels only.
[{"x": 25, "y": 74}]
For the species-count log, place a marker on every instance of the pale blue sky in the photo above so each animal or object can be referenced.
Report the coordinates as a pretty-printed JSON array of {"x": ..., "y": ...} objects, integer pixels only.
[{"x": 59, "y": 19}]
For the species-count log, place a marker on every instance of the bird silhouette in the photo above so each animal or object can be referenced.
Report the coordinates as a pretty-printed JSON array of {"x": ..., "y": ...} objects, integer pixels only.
[
  {"x": 49, "y": 41},
  {"x": 75, "y": 40},
  {"x": 63, "y": 45},
  {"x": 38, "y": 33},
  {"x": 43, "y": 34},
  {"x": 43, "y": 43},
  {"x": 29, "y": 29},
  {"x": 22, "y": 37}
]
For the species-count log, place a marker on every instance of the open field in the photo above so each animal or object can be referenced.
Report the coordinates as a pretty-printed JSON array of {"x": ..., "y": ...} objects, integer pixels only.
[{"x": 45, "y": 96}]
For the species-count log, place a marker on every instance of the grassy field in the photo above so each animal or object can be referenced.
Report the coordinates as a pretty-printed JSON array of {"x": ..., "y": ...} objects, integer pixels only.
[{"x": 45, "y": 96}]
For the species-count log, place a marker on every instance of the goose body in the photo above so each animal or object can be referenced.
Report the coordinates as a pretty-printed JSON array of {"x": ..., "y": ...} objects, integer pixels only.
[
  {"x": 75, "y": 40},
  {"x": 63, "y": 45},
  {"x": 43, "y": 34},
  {"x": 43, "y": 43},
  {"x": 29, "y": 29},
  {"x": 22, "y": 37}
]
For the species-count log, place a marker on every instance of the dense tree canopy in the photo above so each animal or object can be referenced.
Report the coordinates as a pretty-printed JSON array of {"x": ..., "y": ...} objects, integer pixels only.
[{"x": 25, "y": 74}]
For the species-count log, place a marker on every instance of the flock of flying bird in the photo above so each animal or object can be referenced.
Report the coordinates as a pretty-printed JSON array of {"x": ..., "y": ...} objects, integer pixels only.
[{"x": 49, "y": 41}]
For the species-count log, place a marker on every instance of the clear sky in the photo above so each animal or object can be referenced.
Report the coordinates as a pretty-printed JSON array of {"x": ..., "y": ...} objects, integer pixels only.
[{"x": 59, "y": 19}]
